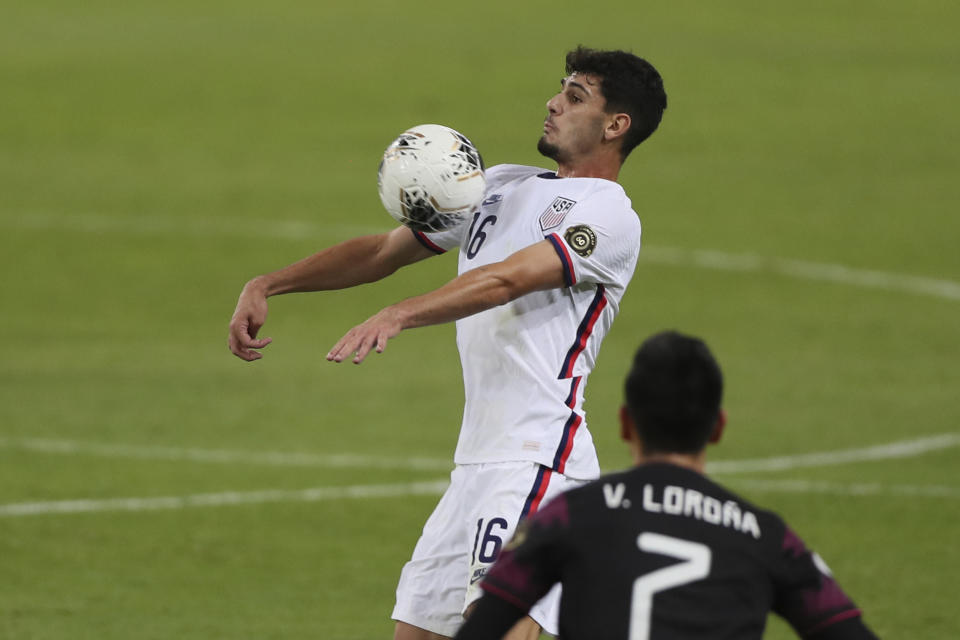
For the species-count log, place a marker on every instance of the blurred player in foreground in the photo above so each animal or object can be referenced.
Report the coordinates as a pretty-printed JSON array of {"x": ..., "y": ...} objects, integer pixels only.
[
  {"x": 660, "y": 550},
  {"x": 543, "y": 268}
]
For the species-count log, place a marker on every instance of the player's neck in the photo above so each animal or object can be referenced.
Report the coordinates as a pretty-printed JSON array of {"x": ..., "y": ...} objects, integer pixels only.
[
  {"x": 695, "y": 462},
  {"x": 606, "y": 167}
]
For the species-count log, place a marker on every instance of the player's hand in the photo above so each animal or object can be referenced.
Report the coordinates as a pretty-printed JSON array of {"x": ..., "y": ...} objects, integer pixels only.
[
  {"x": 249, "y": 316},
  {"x": 372, "y": 334}
]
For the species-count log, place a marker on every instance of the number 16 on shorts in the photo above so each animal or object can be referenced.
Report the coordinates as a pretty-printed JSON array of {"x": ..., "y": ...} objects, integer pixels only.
[{"x": 487, "y": 544}]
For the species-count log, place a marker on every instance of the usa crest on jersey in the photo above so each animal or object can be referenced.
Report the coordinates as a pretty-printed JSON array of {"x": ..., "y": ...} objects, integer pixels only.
[{"x": 556, "y": 212}]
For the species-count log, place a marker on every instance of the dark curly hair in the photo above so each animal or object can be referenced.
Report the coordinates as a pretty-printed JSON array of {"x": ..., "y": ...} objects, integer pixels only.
[{"x": 629, "y": 84}]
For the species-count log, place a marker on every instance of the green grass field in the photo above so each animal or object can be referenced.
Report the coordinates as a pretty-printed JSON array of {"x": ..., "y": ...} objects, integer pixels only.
[{"x": 799, "y": 209}]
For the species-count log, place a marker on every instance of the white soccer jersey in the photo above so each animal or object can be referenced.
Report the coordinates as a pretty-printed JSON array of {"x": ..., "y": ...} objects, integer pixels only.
[{"x": 526, "y": 363}]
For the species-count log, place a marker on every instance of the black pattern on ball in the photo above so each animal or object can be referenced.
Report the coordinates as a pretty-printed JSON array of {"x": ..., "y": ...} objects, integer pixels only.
[{"x": 421, "y": 215}]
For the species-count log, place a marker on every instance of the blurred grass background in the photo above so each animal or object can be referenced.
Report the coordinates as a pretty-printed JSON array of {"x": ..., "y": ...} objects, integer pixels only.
[{"x": 154, "y": 156}]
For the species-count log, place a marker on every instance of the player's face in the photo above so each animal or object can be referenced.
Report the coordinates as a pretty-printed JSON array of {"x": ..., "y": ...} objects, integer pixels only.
[{"x": 575, "y": 119}]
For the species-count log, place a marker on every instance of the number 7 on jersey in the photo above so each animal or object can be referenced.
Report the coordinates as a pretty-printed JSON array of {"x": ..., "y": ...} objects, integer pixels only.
[{"x": 695, "y": 565}]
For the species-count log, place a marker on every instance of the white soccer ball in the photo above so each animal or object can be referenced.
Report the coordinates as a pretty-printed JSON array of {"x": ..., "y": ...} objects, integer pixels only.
[{"x": 431, "y": 178}]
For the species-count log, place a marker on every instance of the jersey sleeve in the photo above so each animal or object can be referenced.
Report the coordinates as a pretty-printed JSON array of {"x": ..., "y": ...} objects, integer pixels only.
[
  {"x": 806, "y": 594},
  {"x": 442, "y": 241},
  {"x": 599, "y": 241},
  {"x": 530, "y": 564}
]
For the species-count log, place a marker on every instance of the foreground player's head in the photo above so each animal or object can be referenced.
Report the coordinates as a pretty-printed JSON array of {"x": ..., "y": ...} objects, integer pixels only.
[
  {"x": 673, "y": 395},
  {"x": 628, "y": 89}
]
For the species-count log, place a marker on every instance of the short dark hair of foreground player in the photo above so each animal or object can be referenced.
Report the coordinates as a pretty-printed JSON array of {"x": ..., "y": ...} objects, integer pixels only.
[{"x": 660, "y": 550}]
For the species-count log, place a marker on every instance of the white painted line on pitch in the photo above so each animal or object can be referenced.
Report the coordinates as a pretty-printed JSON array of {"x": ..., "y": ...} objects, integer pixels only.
[
  {"x": 901, "y": 449},
  {"x": 187, "y": 225},
  {"x": 270, "y": 458},
  {"x": 301, "y": 229},
  {"x": 433, "y": 487},
  {"x": 803, "y": 270},
  {"x": 855, "y": 489}
]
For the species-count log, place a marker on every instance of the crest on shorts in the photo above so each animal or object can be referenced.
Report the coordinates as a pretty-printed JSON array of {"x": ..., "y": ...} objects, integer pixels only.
[
  {"x": 556, "y": 212},
  {"x": 581, "y": 239}
]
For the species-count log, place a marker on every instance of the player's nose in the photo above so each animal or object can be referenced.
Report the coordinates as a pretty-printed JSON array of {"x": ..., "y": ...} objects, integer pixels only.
[{"x": 553, "y": 104}]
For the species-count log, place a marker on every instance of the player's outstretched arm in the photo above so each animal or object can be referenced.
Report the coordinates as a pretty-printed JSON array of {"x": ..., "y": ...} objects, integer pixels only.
[
  {"x": 535, "y": 268},
  {"x": 356, "y": 261}
]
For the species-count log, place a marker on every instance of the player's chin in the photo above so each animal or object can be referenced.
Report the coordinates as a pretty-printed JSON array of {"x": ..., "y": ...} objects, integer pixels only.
[{"x": 548, "y": 149}]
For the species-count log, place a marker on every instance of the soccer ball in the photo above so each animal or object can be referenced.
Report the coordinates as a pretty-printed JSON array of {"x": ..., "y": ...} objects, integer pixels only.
[{"x": 431, "y": 178}]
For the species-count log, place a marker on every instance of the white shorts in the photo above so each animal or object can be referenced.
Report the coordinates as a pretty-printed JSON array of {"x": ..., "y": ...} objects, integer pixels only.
[{"x": 475, "y": 517}]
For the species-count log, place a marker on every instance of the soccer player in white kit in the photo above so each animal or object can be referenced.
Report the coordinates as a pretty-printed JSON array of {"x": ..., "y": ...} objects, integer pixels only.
[{"x": 542, "y": 269}]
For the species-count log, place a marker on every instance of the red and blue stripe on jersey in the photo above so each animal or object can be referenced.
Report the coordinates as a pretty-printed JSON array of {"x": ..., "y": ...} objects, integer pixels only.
[
  {"x": 429, "y": 244},
  {"x": 566, "y": 441},
  {"x": 584, "y": 331},
  {"x": 571, "y": 400},
  {"x": 569, "y": 275}
]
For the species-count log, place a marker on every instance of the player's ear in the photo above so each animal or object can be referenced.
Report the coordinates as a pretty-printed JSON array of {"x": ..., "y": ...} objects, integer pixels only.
[
  {"x": 617, "y": 126},
  {"x": 718, "y": 427},
  {"x": 628, "y": 432}
]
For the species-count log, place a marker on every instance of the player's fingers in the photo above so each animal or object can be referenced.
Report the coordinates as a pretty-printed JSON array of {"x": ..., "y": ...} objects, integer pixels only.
[
  {"x": 332, "y": 354},
  {"x": 363, "y": 348},
  {"x": 235, "y": 344},
  {"x": 240, "y": 333},
  {"x": 246, "y": 354},
  {"x": 242, "y": 343},
  {"x": 381, "y": 342},
  {"x": 256, "y": 344},
  {"x": 338, "y": 350}
]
